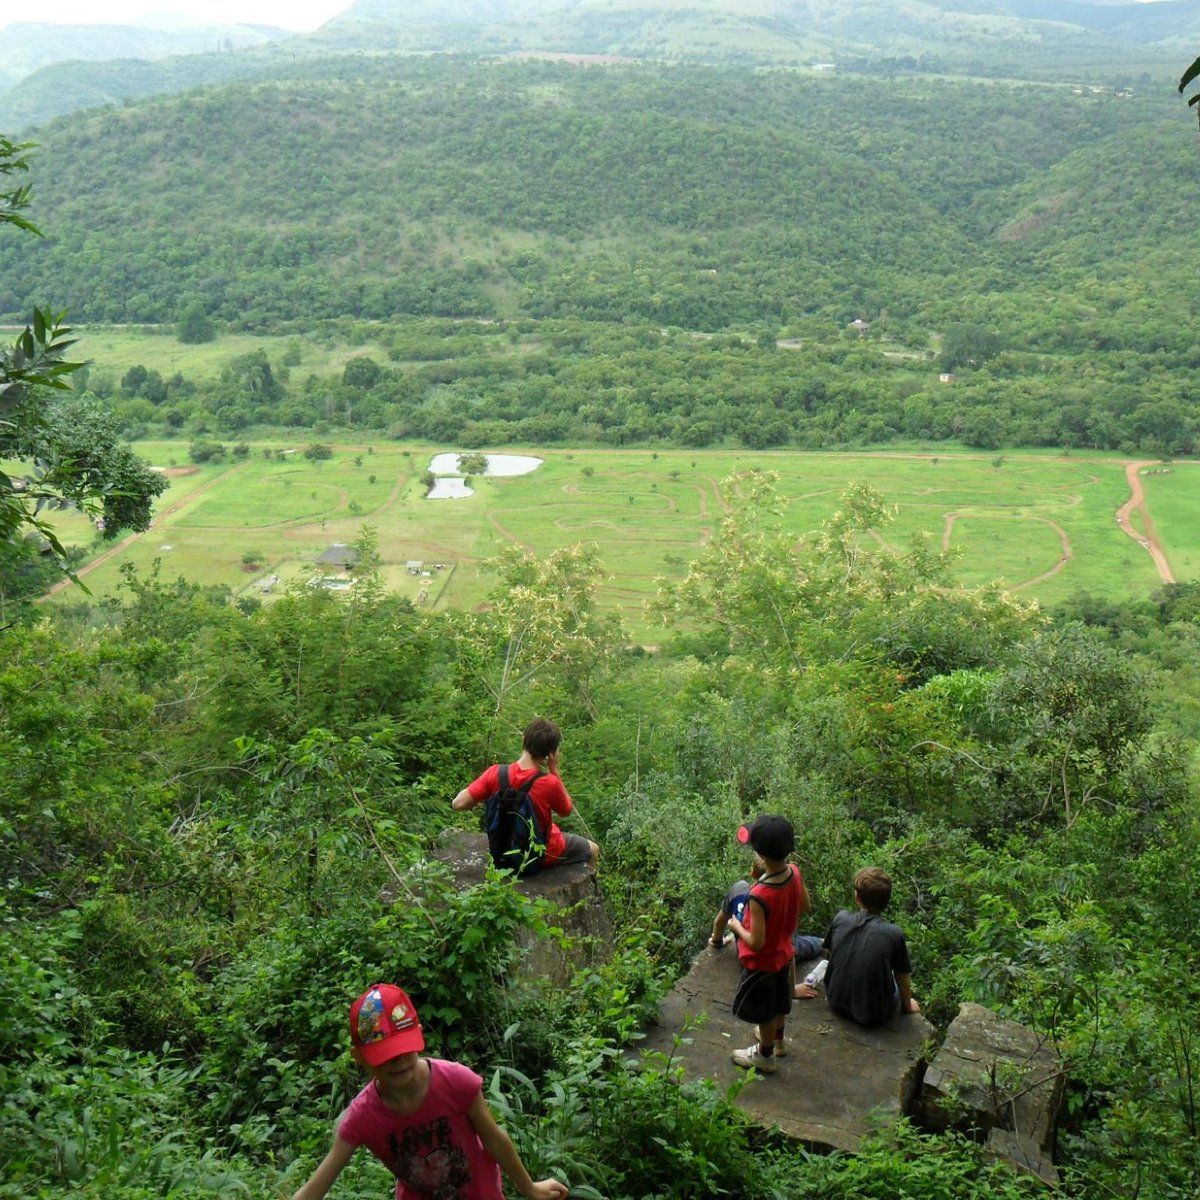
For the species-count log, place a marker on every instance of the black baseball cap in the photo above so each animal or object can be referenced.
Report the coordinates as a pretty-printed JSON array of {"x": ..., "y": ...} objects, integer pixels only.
[{"x": 772, "y": 837}]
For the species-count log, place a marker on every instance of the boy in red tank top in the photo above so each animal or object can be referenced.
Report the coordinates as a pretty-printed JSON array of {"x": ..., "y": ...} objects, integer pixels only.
[{"x": 764, "y": 939}]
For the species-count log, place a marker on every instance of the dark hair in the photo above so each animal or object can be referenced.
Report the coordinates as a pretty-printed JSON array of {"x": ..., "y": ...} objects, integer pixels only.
[
  {"x": 541, "y": 738},
  {"x": 873, "y": 886}
]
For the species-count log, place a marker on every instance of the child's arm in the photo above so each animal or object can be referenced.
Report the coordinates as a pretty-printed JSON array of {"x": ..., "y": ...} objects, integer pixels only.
[
  {"x": 756, "y": 936},
  {"x": 499, "y": 1145},
  {"x": 463, "y": 800},
  {"x": 908, "y": 1002},
  {"x": 805, "y": 898},
  {"x": 332, "y": 1165}
]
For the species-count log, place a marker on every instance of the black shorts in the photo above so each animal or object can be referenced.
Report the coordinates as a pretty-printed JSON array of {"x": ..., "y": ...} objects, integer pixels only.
[{"x": 762, "y": 996}]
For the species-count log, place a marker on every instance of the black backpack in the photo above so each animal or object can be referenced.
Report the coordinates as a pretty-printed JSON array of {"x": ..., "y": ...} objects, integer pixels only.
[{"x": 516, "y": 840}]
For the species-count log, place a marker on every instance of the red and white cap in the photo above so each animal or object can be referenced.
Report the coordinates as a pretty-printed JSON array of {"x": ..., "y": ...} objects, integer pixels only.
[{"x": 384, "y": 1024}]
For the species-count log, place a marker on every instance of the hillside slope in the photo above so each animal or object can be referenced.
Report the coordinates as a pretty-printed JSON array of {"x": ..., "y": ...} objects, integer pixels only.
[
  {"x": 688, "y": 196},
  {"x": 1020, "y": 39}
]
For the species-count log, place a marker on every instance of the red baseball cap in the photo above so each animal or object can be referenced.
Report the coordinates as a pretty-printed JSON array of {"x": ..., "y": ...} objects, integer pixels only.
[{"x": 384, "y": 1024}]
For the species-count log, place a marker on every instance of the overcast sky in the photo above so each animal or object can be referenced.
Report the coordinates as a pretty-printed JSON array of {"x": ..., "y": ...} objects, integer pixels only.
[{"x": 288, "y": 14}]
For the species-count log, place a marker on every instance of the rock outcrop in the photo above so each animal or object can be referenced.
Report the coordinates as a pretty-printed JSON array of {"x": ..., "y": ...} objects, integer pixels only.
[
  {"x": 998, "y": 1079},
  {"x": 990, "y": 1077},
  {"x": 587, "y": 931},
  {"x": 838, "y": 1080}
]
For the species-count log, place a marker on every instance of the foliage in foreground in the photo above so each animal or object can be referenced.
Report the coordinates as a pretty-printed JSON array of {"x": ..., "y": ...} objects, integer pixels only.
[{"x": 216, "y": 825}]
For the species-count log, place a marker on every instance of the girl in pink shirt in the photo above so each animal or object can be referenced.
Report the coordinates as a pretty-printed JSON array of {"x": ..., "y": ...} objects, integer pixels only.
[{"x": 425, "y": 1119}]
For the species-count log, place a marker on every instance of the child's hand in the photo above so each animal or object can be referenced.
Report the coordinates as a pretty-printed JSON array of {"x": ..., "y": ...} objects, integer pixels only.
[{"x": 549, "y": 1189}]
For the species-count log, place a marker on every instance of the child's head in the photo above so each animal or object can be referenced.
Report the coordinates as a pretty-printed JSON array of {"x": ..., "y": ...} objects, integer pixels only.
[
  {"x": 383, "y": 1025},
  {"x": 873, "y": 888},
  {"x": 541, "y": 738},
  {"x": 771, "y": 838}
]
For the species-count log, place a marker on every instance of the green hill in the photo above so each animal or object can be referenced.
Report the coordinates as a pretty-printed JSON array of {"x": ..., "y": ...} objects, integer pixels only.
[
  {"x": 695, "y": 197},
  {"x": 1083, "y": 42}
]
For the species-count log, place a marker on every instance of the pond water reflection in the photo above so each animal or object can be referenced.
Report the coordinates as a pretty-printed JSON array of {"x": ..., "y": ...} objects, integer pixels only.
[{"x": 449, "y": 487}]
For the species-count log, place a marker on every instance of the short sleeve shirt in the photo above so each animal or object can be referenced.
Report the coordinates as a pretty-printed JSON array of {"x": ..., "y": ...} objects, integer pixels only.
[
  {"x": 548, "y": 796},
  {"x": 865, "y": 954},
  {"x": 434, "y": 1153}
]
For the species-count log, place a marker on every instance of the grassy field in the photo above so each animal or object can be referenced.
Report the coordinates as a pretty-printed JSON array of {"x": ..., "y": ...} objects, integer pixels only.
[
  {"x": 1041, "y": 525},
  {"x": 114, "y": 349},
  {"x": 1171, "y": 498}
]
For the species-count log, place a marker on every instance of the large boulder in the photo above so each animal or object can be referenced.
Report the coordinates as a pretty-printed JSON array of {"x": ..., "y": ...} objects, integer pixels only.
[
  {"x": 837, "y": 1082},
  {"x": 572, "y": 890},
  {"x": 997, "y": 1079}
]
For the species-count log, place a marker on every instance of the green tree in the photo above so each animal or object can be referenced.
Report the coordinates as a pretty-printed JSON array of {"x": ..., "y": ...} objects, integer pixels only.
[
  {"x": 543, "y": 628},
  {"x": 250, "y": 375},
  {"x": 361, "y": 371},
  {"x": 195, "y": 325},
  {"x": 77, "y": 460},
  {"x": 780, "y": 608},
  {"x": 968, "y": 345}
]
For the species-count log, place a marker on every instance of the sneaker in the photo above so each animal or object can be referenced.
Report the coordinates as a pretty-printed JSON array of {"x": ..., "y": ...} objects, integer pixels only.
[
  {"x": 750, "y": 1057},
  {"x": 780, "y": 1048}
]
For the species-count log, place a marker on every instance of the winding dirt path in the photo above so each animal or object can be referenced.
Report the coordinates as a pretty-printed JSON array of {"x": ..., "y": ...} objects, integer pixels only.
[
  {"x": 508, "y": 535},
  {"x": 1065, "y": 552},
  {"x": 129, "y": 539},
  {"x": 1137, "y": 504}
]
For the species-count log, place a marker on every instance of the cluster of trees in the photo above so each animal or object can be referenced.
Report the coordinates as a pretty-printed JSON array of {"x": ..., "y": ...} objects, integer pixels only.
[
  {"x": 208, "y": 811},
  {"x": 57, "y": 450},
  {"x": 480, "y": 384}
]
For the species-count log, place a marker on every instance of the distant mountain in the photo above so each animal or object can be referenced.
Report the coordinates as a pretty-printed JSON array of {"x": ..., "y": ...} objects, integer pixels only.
[
  {"x": 878, "y": 26},
  {"x": 693, "y": 196},
  {"x": 1058, "y": 40},
  {"x": 27, "y": 46}
]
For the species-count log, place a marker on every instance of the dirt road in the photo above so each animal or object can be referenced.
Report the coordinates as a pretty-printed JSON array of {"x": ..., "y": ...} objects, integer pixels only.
[{"x": 1137, "y": 504}]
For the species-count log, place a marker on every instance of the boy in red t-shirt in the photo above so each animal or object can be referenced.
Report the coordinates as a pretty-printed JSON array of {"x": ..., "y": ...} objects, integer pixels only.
[
  {"x": 539, "y": 752},
  {"x": 764, "y": 934}
]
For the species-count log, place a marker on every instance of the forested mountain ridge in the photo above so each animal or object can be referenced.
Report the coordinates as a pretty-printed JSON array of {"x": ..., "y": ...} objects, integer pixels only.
[
  {"x": 840, "y": 25},
  {"x": 998, "y": 229},
  {"x": 1118, "y": 44},
  {"x": 387, "y": 187}
]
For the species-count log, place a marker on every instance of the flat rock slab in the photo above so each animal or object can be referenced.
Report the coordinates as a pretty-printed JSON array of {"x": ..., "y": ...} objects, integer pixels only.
[{"x": 838, "y": 1080}]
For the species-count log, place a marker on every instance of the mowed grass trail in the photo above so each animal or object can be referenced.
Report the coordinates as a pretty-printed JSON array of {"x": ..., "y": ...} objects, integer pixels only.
[{"x": 1043, "y": 526}]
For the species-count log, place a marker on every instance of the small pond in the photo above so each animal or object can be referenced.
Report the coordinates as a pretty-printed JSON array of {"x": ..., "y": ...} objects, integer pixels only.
[{"x": 451, "y": 486}]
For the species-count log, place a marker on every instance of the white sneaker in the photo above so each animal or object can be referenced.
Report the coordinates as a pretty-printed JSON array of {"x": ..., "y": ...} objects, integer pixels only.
[
  {"x": 750, "y": 1057},
  {"x": 780, "y": 1048}
]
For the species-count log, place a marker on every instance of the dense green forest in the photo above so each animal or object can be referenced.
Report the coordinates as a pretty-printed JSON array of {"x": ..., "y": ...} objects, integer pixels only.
[
  {"x": 617, "y": 255},
  {"x": 216, "y": 818}
]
